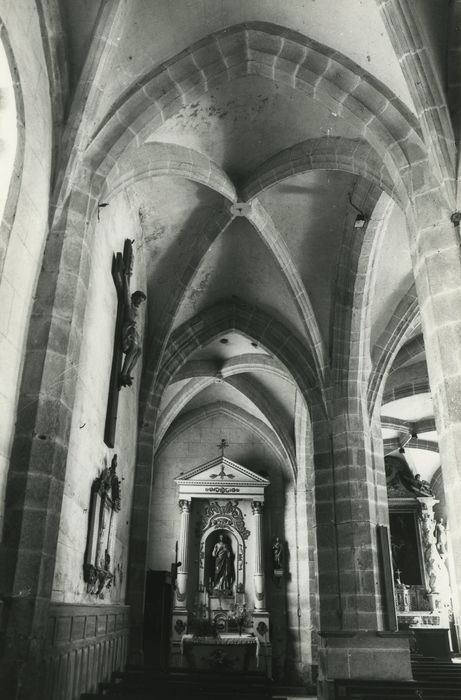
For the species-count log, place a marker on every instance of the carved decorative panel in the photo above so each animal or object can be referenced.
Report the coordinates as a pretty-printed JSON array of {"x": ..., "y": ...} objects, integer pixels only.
[
  {"x": 105, "y": 502},
  {"x": 227, "y": 515}
]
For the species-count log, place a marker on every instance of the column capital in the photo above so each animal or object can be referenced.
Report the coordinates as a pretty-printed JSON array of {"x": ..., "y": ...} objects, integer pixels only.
[
  {"x": 427, "y": 504},
  {"x": 184, "y": 506},
  {"x": 257, "y": 507}
]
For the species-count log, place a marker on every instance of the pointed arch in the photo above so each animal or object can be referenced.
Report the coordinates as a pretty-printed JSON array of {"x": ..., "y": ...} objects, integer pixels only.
[
  {"x": 407, "y": 388},
  {"x": 251, "y": 322},
  {"x": 402, "y": 326},
  {"x": 248, "y": 362},
  {"x": 197, "y": 415},
  {"x": 179, "y": 401},
  {"x": 401, "y": 19},
  {"x": 248, "y": 388},
  {"x": 157, "y": 159},
  {"x": 54, "y": 40},
  {"x": 407, "y": 352},
  {"x": 273, "y": 52},
  {"x": 354, "y": 290},
  {"x": 14, "y": 186},
  {"x": 354, "y": 156}
]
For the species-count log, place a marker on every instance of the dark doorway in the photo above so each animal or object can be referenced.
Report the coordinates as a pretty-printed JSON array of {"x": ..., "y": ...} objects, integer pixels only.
[{"x": 157, "y": 618}]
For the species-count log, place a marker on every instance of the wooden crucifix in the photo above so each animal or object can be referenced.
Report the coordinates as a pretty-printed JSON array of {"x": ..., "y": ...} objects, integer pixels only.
[{"x": 127, "y": 343}]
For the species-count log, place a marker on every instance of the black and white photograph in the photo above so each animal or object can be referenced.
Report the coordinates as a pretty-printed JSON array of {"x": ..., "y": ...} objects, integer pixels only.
[{"x": 230, "y": 349}]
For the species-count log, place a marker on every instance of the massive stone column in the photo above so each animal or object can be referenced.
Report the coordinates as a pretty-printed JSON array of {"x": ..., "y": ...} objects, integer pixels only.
[
  {"x": 347, "y": 497},
  {"x": 260, "y": 603},
  {"x": 36, "y": 476},
  {"x": 358, "y": 638},
  {"x": 183, "y": 556},
  {"x": 356, "y": 641}
]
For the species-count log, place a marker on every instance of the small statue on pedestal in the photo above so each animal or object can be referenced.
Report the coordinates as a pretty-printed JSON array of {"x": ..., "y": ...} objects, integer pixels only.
[
  {"x": 441, "y": 538},
  {"x": 277, "y": 555}
]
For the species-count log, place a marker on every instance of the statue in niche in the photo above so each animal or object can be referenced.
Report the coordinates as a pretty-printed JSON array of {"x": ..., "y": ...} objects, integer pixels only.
[
  {"x": 223, "y": 565},
  {"x": 277, "y": 554},
  {"x": 131, "y": 341},
  {"x": 440, "y": 533}
]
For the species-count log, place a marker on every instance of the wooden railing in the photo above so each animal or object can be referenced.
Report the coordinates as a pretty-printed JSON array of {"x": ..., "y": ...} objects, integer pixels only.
[{"x": 84, "y": 645}]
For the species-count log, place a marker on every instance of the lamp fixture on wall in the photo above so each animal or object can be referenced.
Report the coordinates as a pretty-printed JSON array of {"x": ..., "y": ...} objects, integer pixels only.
[{"x": 360, "y": 219}]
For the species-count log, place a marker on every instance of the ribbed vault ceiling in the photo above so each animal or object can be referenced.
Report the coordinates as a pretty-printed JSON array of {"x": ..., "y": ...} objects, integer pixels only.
[{"x": 291, "y": 254}]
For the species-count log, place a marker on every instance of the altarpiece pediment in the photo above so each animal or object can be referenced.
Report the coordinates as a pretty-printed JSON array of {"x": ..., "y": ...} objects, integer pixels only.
[{"x": 221, "y": 477}]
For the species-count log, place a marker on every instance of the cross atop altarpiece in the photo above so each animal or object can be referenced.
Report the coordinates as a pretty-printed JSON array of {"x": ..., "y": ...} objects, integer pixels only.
[
  {"x": 222, "y": 446},
  {"x": 222, "y": 474},
  {"x": 126, "y": 337}
]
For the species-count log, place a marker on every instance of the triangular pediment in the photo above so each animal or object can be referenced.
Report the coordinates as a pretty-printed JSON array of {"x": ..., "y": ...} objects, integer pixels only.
[{"x": 221, "y": 471}]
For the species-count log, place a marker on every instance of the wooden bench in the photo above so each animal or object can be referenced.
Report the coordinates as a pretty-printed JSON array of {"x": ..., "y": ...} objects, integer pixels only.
[{"x": 144, "y": 684}]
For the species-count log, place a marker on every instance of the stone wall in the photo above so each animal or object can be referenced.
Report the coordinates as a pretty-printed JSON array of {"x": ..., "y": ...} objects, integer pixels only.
[
  {"x": 88, "y": 454},
  {"x": 25, "y": 223}
]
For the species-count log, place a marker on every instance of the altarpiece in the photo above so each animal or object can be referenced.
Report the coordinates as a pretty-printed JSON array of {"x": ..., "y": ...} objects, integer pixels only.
[{"x": 221, "y": 567}]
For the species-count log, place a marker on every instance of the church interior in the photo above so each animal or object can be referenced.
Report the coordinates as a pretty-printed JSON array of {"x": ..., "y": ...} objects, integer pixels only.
[{"x": 230, "y": 349}]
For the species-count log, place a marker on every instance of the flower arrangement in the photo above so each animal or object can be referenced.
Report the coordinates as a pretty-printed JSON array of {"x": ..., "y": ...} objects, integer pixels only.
[{"x": 239, "y": 617}]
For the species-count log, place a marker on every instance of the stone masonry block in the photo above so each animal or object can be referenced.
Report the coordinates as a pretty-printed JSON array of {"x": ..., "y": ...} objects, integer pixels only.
[
  {"x": 316, "y": 62},
  {"x": 264, "y": 43},
  {"x": 293, "y": 52}
]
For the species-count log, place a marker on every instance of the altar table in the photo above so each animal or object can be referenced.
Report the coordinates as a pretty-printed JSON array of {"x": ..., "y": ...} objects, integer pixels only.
[{"x": 230, "y": 652}]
